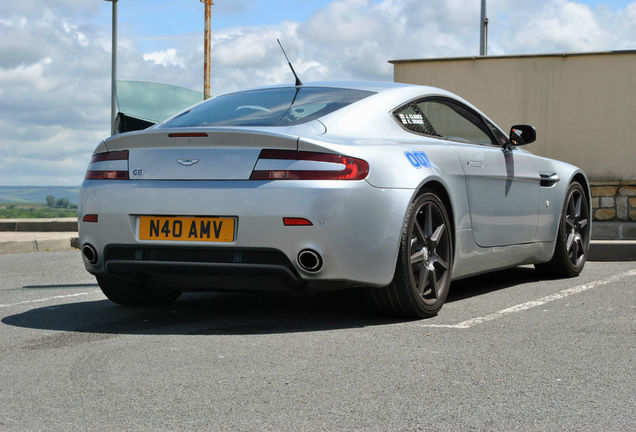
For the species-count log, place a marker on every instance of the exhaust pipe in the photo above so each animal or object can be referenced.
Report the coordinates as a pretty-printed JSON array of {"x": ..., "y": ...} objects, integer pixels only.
[
  {"x": 89, "y": 253},
  {"x": 309, "y": 260}
]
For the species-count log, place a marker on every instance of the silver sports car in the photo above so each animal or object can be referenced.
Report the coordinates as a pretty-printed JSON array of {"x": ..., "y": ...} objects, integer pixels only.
[{"x": 397, "y": 188}]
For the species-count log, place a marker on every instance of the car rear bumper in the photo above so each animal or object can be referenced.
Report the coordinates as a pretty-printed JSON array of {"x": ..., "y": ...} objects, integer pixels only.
[{"x": 356, "y": 231}]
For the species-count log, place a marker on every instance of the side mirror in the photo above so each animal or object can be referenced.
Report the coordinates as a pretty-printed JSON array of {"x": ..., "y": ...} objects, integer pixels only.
[{"x": 522, "y": 135}]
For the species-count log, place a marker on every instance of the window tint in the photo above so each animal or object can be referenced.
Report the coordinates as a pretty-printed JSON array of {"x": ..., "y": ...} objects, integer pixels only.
[
  {"x": 269, "y": 107},
  {"x": 454, "y": 122}
]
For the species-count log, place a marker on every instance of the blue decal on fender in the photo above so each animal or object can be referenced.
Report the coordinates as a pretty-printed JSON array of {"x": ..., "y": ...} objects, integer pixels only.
[{"x": 418, "y": 159}]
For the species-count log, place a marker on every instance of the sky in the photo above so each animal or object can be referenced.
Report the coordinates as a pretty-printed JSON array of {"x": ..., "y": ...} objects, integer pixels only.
[{"x": 55, "y": 55}]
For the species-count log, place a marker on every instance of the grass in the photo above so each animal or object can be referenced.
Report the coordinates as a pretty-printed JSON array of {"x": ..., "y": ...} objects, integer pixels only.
[{"x": 33, "y": 211}]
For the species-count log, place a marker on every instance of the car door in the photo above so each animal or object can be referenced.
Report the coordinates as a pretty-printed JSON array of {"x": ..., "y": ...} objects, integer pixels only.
[{"x": 502, "y": 184}]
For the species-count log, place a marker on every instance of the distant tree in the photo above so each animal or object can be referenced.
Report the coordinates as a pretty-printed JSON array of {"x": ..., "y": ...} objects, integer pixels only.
[
  {"x": 62, "y": 203},
  {"x": 50, "y": 201}
]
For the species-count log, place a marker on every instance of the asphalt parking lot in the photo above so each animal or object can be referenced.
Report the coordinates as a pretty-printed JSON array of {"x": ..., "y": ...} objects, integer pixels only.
[{"x": 507, "y": 352}]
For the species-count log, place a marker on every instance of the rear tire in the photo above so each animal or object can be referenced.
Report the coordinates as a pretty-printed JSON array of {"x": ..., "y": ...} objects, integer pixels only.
[
  {"x": 573, "y": 237},
  {"x": 425, "y": 261},
  {"x": 128, "y": 293}
]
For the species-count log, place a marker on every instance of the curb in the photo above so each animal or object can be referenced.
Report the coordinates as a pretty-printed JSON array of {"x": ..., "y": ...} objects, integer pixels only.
[
  {"x": 39, "y": 225},
  {"x": 621, "y": 230},
  {"x": 48, "y": 245},
  {"x": 612, "y": 250}
]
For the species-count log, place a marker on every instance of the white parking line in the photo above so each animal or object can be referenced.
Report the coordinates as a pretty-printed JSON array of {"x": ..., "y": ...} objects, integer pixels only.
[
  {"x": 47, "y": 299},
  {"x": 533, "y": 303}
]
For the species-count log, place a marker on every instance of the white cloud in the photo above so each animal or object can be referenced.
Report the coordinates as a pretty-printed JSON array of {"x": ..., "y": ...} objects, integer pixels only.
[
  {"x": 630, "y": 10},
  {"x": 564, "y": 26},
  {"x": 167, "y": 57},
  {"x": 32, "y": 76},
  {"x": 79, "y": 36}
]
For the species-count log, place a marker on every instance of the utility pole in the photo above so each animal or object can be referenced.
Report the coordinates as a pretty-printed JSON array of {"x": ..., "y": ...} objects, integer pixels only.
[
  {"x": 483, "y": 31},
  {"x": 113, "y": 73},
  {"x": 207, "y": 48}
]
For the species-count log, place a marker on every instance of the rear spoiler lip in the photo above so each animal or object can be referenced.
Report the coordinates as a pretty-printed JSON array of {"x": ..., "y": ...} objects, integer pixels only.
[
  {"x": 310, "y": 130},
  {"x": 206, "y": 137}
]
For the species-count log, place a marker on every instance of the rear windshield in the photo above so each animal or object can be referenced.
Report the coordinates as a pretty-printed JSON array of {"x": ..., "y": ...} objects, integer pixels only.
[{"x": 270, "y": 107}]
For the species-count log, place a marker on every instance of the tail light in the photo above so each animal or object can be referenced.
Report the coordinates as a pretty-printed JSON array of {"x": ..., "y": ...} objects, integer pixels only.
[
  {"x": 300, "y": 165},
  {"x": 108, "y": 166}
]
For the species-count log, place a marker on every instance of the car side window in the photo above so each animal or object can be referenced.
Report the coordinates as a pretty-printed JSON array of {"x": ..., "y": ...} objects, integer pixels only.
[
  {"x": 455, "y": 122},
  {"x": 414, "y": 120}
]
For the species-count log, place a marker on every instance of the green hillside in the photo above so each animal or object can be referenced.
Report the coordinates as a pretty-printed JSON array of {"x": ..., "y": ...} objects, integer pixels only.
[{"x": 37, "y": 194}]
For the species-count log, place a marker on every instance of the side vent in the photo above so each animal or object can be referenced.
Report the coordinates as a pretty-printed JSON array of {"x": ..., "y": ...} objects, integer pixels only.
[{"x": 548, "y": 179}]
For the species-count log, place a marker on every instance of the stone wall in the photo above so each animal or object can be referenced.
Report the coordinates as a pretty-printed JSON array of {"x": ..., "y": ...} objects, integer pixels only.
[{"x": 614, "y": 200}]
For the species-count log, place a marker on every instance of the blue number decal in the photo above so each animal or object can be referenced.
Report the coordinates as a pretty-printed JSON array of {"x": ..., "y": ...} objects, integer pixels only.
[{"x": 418, "y": 159}]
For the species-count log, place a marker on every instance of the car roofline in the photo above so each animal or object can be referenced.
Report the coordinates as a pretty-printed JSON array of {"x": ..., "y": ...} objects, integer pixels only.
[{"x": 373, "y": 86}]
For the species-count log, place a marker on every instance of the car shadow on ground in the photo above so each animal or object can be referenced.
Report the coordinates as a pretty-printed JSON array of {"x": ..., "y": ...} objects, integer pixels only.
[
  {"x": 489, "y": 282},
  {"x": 241, "y": 313}
]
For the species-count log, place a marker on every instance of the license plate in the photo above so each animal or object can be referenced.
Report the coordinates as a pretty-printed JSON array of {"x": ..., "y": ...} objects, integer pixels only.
[{"x": 187, "y": 228}]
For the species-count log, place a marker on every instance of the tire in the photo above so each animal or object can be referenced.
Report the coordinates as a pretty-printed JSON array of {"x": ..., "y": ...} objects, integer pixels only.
[
  {"x": 573, "y": 237},
  {"x": 425, "y": 261},
  {"x": 128, "y": 293}
]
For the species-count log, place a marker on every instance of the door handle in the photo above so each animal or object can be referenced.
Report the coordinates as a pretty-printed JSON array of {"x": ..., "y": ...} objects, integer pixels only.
[{"x": 476, "y": 164}]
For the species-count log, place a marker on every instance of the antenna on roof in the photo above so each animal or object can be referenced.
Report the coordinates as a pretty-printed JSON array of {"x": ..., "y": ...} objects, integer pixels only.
[{"x": 298, "y": 81}]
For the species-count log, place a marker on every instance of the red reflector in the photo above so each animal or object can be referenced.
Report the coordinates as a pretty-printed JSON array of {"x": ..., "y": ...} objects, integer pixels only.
[
  {"x": 109, "y": 156},
  {"x": 289, "y": 221},
  {"x": 106, "y": 175},
  {"x": 187, "y": 134},
  {"x": 90, "y": 218}
]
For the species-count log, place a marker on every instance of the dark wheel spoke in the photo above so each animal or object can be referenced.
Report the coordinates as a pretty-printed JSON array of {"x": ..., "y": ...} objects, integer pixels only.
[
  {"x": 432, "y": 281},
  {"x": 578, "y": 204},
  {"x": 579, "y": 245},
  {"x": 581, "y": 251},
  {"x": 417, "y": 257},
  {"x": 421, "y": 285},
  {"x": 570, "y": 242},
  {"x": 428, "y": 220},
  {"x": 575, "y": 253},
  {"x": 419, "y": 232},
  {"x": 439, "y": 260},
  {"x": 439, "y": 231},
  {"x": 582, "y": 223},
  {"x": 569, "y": 222}
]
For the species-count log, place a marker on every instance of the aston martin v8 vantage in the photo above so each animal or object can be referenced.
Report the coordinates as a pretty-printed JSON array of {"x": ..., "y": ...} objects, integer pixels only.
[{"x": 396, "y": 188}]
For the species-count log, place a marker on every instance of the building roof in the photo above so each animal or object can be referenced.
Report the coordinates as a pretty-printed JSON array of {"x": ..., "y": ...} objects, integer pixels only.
[{"x": 571, "y": 54}]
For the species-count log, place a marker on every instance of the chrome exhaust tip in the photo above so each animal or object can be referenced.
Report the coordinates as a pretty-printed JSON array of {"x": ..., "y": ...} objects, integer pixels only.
[
  {"x": 309, "y": 260},
  {"x": 89, "y": 253}
]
